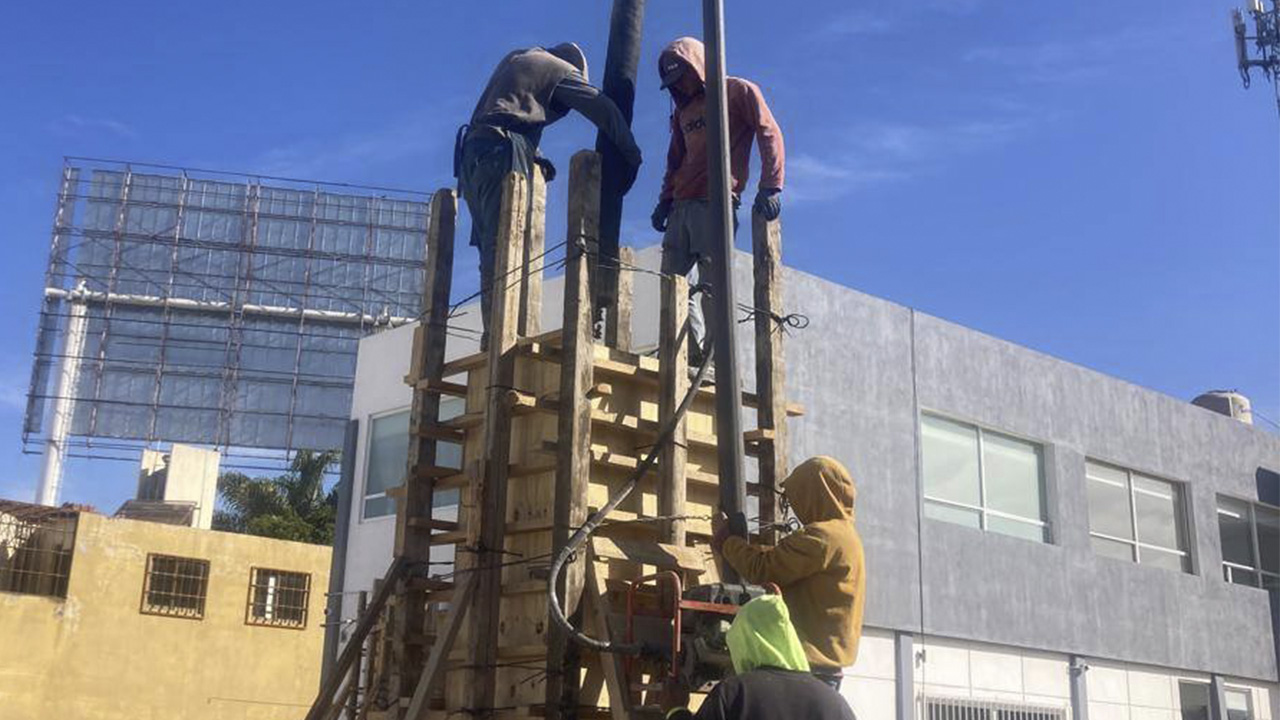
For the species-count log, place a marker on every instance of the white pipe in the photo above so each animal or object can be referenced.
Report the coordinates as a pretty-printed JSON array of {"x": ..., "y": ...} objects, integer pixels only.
[
  {"x": 225, "y": 307},
  {"x": 55, "y": 450}
]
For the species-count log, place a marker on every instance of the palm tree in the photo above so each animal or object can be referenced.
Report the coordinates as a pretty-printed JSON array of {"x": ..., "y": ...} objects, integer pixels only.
[{"x": 292, "y": 506}]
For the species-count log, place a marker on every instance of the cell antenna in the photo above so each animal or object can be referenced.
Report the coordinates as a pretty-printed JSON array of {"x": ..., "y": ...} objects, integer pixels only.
[{"x": 1265, "y": 53}]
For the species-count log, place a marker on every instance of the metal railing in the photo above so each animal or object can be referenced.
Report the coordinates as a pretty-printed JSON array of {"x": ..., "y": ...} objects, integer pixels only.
[{"x": 932, "y": 707}]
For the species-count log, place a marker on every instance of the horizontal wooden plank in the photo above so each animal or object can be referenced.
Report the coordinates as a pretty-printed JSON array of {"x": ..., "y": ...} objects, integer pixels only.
[
  {"x": 443, "y": 387},
  {"x": 441, "y": 432},
  {"x": 433, "y": 524},
  {"x": 465, "y": 363},
  {"x": 649, "y": 553},
  {"x": 433, "y": 472}
]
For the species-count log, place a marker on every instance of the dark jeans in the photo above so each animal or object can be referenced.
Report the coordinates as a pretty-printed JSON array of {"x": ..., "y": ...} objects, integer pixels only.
[
  {"x": 687, "y": 249},
  {"x": 487, "y": 156}
]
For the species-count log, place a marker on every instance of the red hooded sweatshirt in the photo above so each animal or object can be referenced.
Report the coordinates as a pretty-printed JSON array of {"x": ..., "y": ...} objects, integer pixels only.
[{"x": 749, "y": 117}]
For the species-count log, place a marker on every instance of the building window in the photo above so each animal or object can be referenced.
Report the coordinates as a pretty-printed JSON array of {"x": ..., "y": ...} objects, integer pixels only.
[
  {"x": 1239, "y": 705},
  {"x": 1193, "y": 699},
  {"x": 1137, "y": 517},
  {"x": 1250, "y": 534},
  {"x": 938, "y": 708},
  {"x": 983, "y": 479},
  {"x": 388, "y": 454},
  {"x": 278, "y": 598},
  {"x": 175, "y": 586}
]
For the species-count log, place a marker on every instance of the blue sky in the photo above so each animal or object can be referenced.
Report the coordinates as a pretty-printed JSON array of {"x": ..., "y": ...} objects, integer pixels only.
[{"x": 1087, "y": 179}]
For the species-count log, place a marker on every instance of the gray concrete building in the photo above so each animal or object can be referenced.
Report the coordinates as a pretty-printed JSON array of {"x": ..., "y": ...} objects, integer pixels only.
[{"x": 1043, "y": 542}]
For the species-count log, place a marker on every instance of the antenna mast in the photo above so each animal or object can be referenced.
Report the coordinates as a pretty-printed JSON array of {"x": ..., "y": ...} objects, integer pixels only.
[{"x": 1266, "y": 43}]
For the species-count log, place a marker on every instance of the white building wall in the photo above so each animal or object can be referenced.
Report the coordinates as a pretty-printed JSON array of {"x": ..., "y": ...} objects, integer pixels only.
[
  {"x": 870, "y": 685},
  {"x": 1121, "y": 691},
  {"x": 959, "y": 669}
]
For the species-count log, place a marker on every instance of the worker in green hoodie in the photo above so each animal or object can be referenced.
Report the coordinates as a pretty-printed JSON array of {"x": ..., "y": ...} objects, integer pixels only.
[
  {"x": 820, "y": 567},
  {"x": 771, "y": 674}
]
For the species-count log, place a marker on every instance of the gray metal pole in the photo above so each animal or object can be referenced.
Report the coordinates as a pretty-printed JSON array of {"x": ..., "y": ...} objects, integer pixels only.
[
  {"x": 338, "y": 561},
  {"x": 733, "y": 495}
]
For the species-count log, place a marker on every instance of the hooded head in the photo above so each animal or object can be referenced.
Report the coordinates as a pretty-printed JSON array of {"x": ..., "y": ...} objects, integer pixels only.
[
  {"x": 762, "y": 636},
  {"x": 683, "y": 55},
  {"x": 820, "y": 488},
  {"x": 572, "y": 54}
]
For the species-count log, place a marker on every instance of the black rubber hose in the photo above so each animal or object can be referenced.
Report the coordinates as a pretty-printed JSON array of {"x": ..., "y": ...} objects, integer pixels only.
[
  {"x": 579, "y": 537},
  {"x": 626, "y": 24}
]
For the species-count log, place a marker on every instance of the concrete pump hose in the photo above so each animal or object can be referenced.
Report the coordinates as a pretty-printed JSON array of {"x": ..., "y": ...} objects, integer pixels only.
[{"x": 579, "y": 537}]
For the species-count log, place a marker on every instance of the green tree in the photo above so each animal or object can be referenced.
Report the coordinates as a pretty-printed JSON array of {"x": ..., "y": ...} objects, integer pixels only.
[{"x": 292, "y": 506}]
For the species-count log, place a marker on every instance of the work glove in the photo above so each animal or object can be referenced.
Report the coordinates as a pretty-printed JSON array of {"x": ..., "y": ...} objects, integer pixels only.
[
  {"x": 548, "y": 170},
  {"x": 659, "y": 216},
  {"x": 768, "y": 203}
]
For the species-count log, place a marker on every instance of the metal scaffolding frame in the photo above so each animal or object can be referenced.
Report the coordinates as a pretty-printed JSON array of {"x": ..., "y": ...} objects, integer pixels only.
[{"x": 222, "y": 309}]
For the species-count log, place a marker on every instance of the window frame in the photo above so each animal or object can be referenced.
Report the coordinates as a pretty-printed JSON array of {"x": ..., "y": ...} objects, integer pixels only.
[
  {"x": 1255, "y": 549},
  {"x": 1046, "y": 527},
  {"x": 369, "y": 446},
  {"x": 251, "y": 619},
  {"x": 147, "y": 608},
  {"x": 365, "y": 497},
  {"x": 1250, "y": 711},
  {"x": 1136, "y": 545}
]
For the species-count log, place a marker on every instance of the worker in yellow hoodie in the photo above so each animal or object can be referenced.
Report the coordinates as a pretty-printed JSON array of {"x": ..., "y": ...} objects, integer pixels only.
[{"x": 820, "y": 567}]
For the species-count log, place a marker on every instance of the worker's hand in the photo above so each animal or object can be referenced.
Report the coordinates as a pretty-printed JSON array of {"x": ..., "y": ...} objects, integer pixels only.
[
  {"x": 548, "y": 170},
  {"x": 719, "y": 531},
  {"x": 659, "y": 216},
  {"x": 768, "y": 203}
]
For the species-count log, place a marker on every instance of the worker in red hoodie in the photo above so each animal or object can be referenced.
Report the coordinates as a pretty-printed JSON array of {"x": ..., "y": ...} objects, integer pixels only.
[{"x": 683, "y": 212}]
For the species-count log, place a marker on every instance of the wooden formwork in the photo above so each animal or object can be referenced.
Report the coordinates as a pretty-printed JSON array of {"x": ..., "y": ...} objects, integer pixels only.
[{"x": 554, "y": 423}]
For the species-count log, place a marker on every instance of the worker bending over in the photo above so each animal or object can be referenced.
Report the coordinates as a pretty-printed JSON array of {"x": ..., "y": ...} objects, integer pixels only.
[
  {"x": 683, "y": 213},
  {"x": 771, "y": 679},
  {"x": 529, "y": 90},
  {"x": 820, "y": 567}
]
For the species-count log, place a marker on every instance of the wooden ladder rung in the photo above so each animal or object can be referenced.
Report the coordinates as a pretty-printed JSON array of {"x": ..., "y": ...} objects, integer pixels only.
[
  {"x": 443, "y": 387},
  {"x": 433, "y": 524},
  {"x": 441, "y": 432},
  {"x": 428, "y": 584},
  {"x": 433, "y": 472},
  {"x": 449, "y": 538}
]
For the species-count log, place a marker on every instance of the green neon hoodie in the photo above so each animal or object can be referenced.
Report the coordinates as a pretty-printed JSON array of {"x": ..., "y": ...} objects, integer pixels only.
[
  {"x": 762, "y": 636},
  {"x": 772, "y": 680}
]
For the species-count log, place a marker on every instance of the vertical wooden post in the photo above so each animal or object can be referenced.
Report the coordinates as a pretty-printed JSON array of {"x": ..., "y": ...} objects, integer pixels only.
[
  {"x": 573, "y": 454},
  {"x": 771, "y": 410},
  {"x": 413, "y": 540},
  {"x": 618, "y": 317},
  {"x": 673, "y": 383},
  {"x": 486, "y": 524},
  {"x": 535, "y": 240}
]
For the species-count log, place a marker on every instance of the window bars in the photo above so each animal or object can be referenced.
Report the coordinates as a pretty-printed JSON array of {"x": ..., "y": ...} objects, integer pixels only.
[
  {"x": 175, "y": 586},
  {"x": 945, "y": 708},
  {"x": 278, "y": 598},
  {"x": 36, "y": 543}
]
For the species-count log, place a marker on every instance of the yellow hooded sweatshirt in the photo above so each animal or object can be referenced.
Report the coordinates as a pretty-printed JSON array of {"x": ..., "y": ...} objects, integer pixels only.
[{"x": 820, "y": 567}]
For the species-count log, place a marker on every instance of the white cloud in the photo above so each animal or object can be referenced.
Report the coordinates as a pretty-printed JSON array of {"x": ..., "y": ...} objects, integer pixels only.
[
  {"x": 422, "y": 135},
  {"x": 857, "y": 22},
  {"x": 883, "y": 152},
  {"x": 1083, "y": 59},
  {"x": 76, "y": 125}
]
